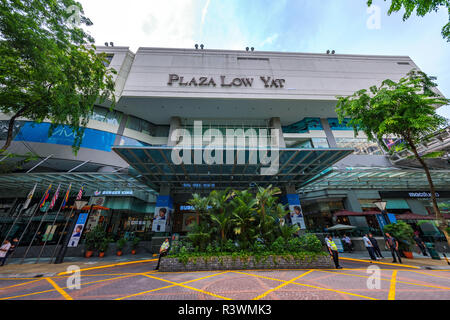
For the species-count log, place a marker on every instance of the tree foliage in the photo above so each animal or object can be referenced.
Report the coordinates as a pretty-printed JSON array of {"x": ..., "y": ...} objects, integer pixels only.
[
  {"x": 49, "y": 69},
  {"x": 405, "y": 109},
  {"x": 422, "y": 7}
]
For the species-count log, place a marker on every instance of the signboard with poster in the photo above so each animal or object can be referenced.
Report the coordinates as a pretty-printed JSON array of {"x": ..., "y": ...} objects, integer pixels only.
[
  {"x": 163, "y": 211},
  {"x": 78, "y": 230},
  {"x": 295, "y": 210}
]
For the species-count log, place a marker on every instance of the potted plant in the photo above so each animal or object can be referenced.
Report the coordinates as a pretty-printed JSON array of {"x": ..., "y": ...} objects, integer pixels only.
[
  {"x": 93, "y": 239},
  {"x": 134, "y": 245},
  {"x": 120, "y": 244},
  {"x": 404, "y": 234},
  {"x": 103, "y": 247}
]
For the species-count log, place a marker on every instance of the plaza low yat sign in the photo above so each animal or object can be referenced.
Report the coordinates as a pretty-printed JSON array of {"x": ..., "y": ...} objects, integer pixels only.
[{"x": 224, "y": 81}]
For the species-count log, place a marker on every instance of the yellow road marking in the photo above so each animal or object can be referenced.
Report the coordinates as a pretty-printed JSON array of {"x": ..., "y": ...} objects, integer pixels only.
[
  {"x": 58, "y": 288},
  {"x": 173, "y": 285},
  {"x": 307, "y": 285},
  {"x": 188, "y": 287},
  {"x": 108, "y": 266},
  {"x": 392, "y": 287},
  {"x": 51, "y": 290},
  {"x": 282, "y": 285},
  {"x": 403, "y": 282},
  {"x": 432, "y": 275},
  {"x": 377, "y": 262},
  {"x": 20, "y": 284}
]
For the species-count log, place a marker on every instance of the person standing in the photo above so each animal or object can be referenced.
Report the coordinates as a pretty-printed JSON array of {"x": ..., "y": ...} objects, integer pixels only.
[
  {"x": 163, "y": 251},
  {"x": 369, "y": 246},
  {"x": 376, "y": 248},
  {"x": 348, "y": 243},
  {"x": 392, "y": 244},
  {"x": 13, "y": 247},
  {"x": 4, "y": 251},
  {"x": 333, "y": 250},
  {"x": 420, "y": 244}
]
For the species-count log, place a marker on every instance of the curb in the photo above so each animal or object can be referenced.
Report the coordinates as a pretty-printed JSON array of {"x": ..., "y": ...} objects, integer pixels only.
[{"x": 29, "y": 275}]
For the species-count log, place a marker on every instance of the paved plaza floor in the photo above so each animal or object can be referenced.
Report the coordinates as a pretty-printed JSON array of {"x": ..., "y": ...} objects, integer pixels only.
[{"x": 136, "y": 280}]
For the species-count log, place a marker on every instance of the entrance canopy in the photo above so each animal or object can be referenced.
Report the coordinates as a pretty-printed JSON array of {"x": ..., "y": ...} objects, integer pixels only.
[
  {"x": 377, "y": 179},
  {"x": 157, "y": 167}
]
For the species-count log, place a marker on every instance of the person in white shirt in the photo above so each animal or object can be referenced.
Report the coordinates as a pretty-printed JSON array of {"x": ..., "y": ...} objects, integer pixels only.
[
  {"x": 4, "y": 250},
  {"x": 369, "y": 246}
]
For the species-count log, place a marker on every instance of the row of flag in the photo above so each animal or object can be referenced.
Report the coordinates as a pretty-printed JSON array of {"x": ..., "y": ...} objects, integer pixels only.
[{"x": 55, "y": 196}]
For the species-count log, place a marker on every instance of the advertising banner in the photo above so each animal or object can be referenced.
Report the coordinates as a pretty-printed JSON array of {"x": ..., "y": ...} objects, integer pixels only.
[
  {"x": 163, "y": 211},
  {"x": 78, "y": 230},
  {"x": 295, "y": 210}
]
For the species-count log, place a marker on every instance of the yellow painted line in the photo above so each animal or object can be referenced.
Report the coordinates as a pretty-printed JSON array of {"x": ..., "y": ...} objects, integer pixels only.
[
  {"x": 58, "y": 288},
  {"x": 432, "y": 275},
  {"x": 403, "y": 282},
  {"x": 384, "y": 263},
  {"x": 20, "y": 284},
  {"x": 173, "y": 285},
  {"x": 392, "y": 287},
  {"x": 51, "y": 290},
  {"x": 109, "y": 266},
  {"x": 188, "y": 287},
  {"x": 282, "y": 285},
  {"x": 307, "y": 285}
]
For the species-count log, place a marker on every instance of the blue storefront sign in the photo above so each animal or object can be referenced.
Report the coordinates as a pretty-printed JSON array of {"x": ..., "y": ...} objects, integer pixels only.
[{"x": 64, "y": 135}]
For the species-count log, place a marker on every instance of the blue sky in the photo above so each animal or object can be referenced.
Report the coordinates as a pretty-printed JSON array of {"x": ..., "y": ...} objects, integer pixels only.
[{"x": 274, "y": 25}]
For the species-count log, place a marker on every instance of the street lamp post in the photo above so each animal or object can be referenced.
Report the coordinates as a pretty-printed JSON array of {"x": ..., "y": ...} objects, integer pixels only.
[{"x": 62, "y": 252}]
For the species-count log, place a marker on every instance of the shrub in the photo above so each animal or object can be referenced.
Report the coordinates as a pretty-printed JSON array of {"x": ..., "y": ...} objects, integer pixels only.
[
  {"x": 279, "y": 245},
  {"x": 309, "y": 242},
  {"x": 120, "y": 244},
  {"x": 94, "y": 238}
]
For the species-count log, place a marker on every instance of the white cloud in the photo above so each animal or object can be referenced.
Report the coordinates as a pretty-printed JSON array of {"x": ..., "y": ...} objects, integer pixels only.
[
  {"x": 150, "y": 23},
  {"x": 269, "y": 40},
  {"x": 205, "y": 11}
]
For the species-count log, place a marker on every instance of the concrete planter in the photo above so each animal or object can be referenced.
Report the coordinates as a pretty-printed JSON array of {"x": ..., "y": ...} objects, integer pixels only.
[{"x": 228, "y": 263}]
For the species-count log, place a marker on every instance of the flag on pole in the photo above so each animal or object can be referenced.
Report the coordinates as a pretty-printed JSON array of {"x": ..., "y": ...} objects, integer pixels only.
[
  {"x": 80, "y": 194},
  {"x": 29, "y": 197},
  {"x": 55, "y": 197},
  {"x": 45, "y": 196},
  {"x": 66, "y": 197}
]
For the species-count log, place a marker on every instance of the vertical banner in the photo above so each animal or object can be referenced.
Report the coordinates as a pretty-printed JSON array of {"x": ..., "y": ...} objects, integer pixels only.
[
  {"x": 381, "y": 221},
  {"x": 295, "y": 210},
  {"x": 78, "y": 230},
  {"x": 163, "y": 211}
]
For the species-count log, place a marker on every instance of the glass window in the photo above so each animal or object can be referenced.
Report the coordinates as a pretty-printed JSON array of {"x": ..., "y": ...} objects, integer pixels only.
[
  {"x": 105, "y": 115},
  {"x": 320, "y": 143},
  {"x": 361, "y": 146},
  {"x": 134, "y": 123}
]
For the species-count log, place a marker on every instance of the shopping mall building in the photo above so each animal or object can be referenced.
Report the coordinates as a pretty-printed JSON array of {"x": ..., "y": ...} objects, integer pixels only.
[{"x": 135, "y": 159}]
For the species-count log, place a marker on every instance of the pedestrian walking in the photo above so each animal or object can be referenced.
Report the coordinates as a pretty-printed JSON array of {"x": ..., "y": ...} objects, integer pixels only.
[
  {"x": 392, "y": 244},
  {"x": 348, "y": 244},
  {"x": 333, "y": 250},
  {"x": 376, "y": 247},
  {"x": 13, "y": 247},
  {"x": 369, "y": 246},
  {"x": 163, "y": 251},
  {"x": 420, "y": 244},
  {"x": 4, "y": 251}
]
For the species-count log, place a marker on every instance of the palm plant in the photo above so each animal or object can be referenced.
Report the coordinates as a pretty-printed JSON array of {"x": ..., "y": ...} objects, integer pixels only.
[
  {"x": 243, "y": 215},
  {"x": 200, "y": 204},
  {"x": 222, "y": 222},
  {"x": 200, "y": 235}
]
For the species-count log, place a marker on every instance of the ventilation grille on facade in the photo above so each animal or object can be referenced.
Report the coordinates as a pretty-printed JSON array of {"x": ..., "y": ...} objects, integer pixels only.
[
  {"x": 256, "y": 59},
  {"x": 403, "y": 63}
]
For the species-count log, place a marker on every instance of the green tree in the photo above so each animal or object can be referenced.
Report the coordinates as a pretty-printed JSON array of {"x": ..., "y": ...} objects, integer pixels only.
[
  {"x": 222, "y": 222},
  {"x": 422, "y": 8},
  {"x": 403, "y": 109},
  {"x": 49, "y": 69},
  {"x": 200, "y": 204},
  {"x": 243, "y": 217}
]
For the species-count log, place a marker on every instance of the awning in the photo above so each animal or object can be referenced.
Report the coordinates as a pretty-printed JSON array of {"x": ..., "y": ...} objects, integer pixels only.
[
  {"x": 345, "y": 213},
  {"x": 413, "y": 216},
  {"x": 295, "y": 166},
  {"x": 339, "y": 227},
  {"x": 377, "y": 178}
]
